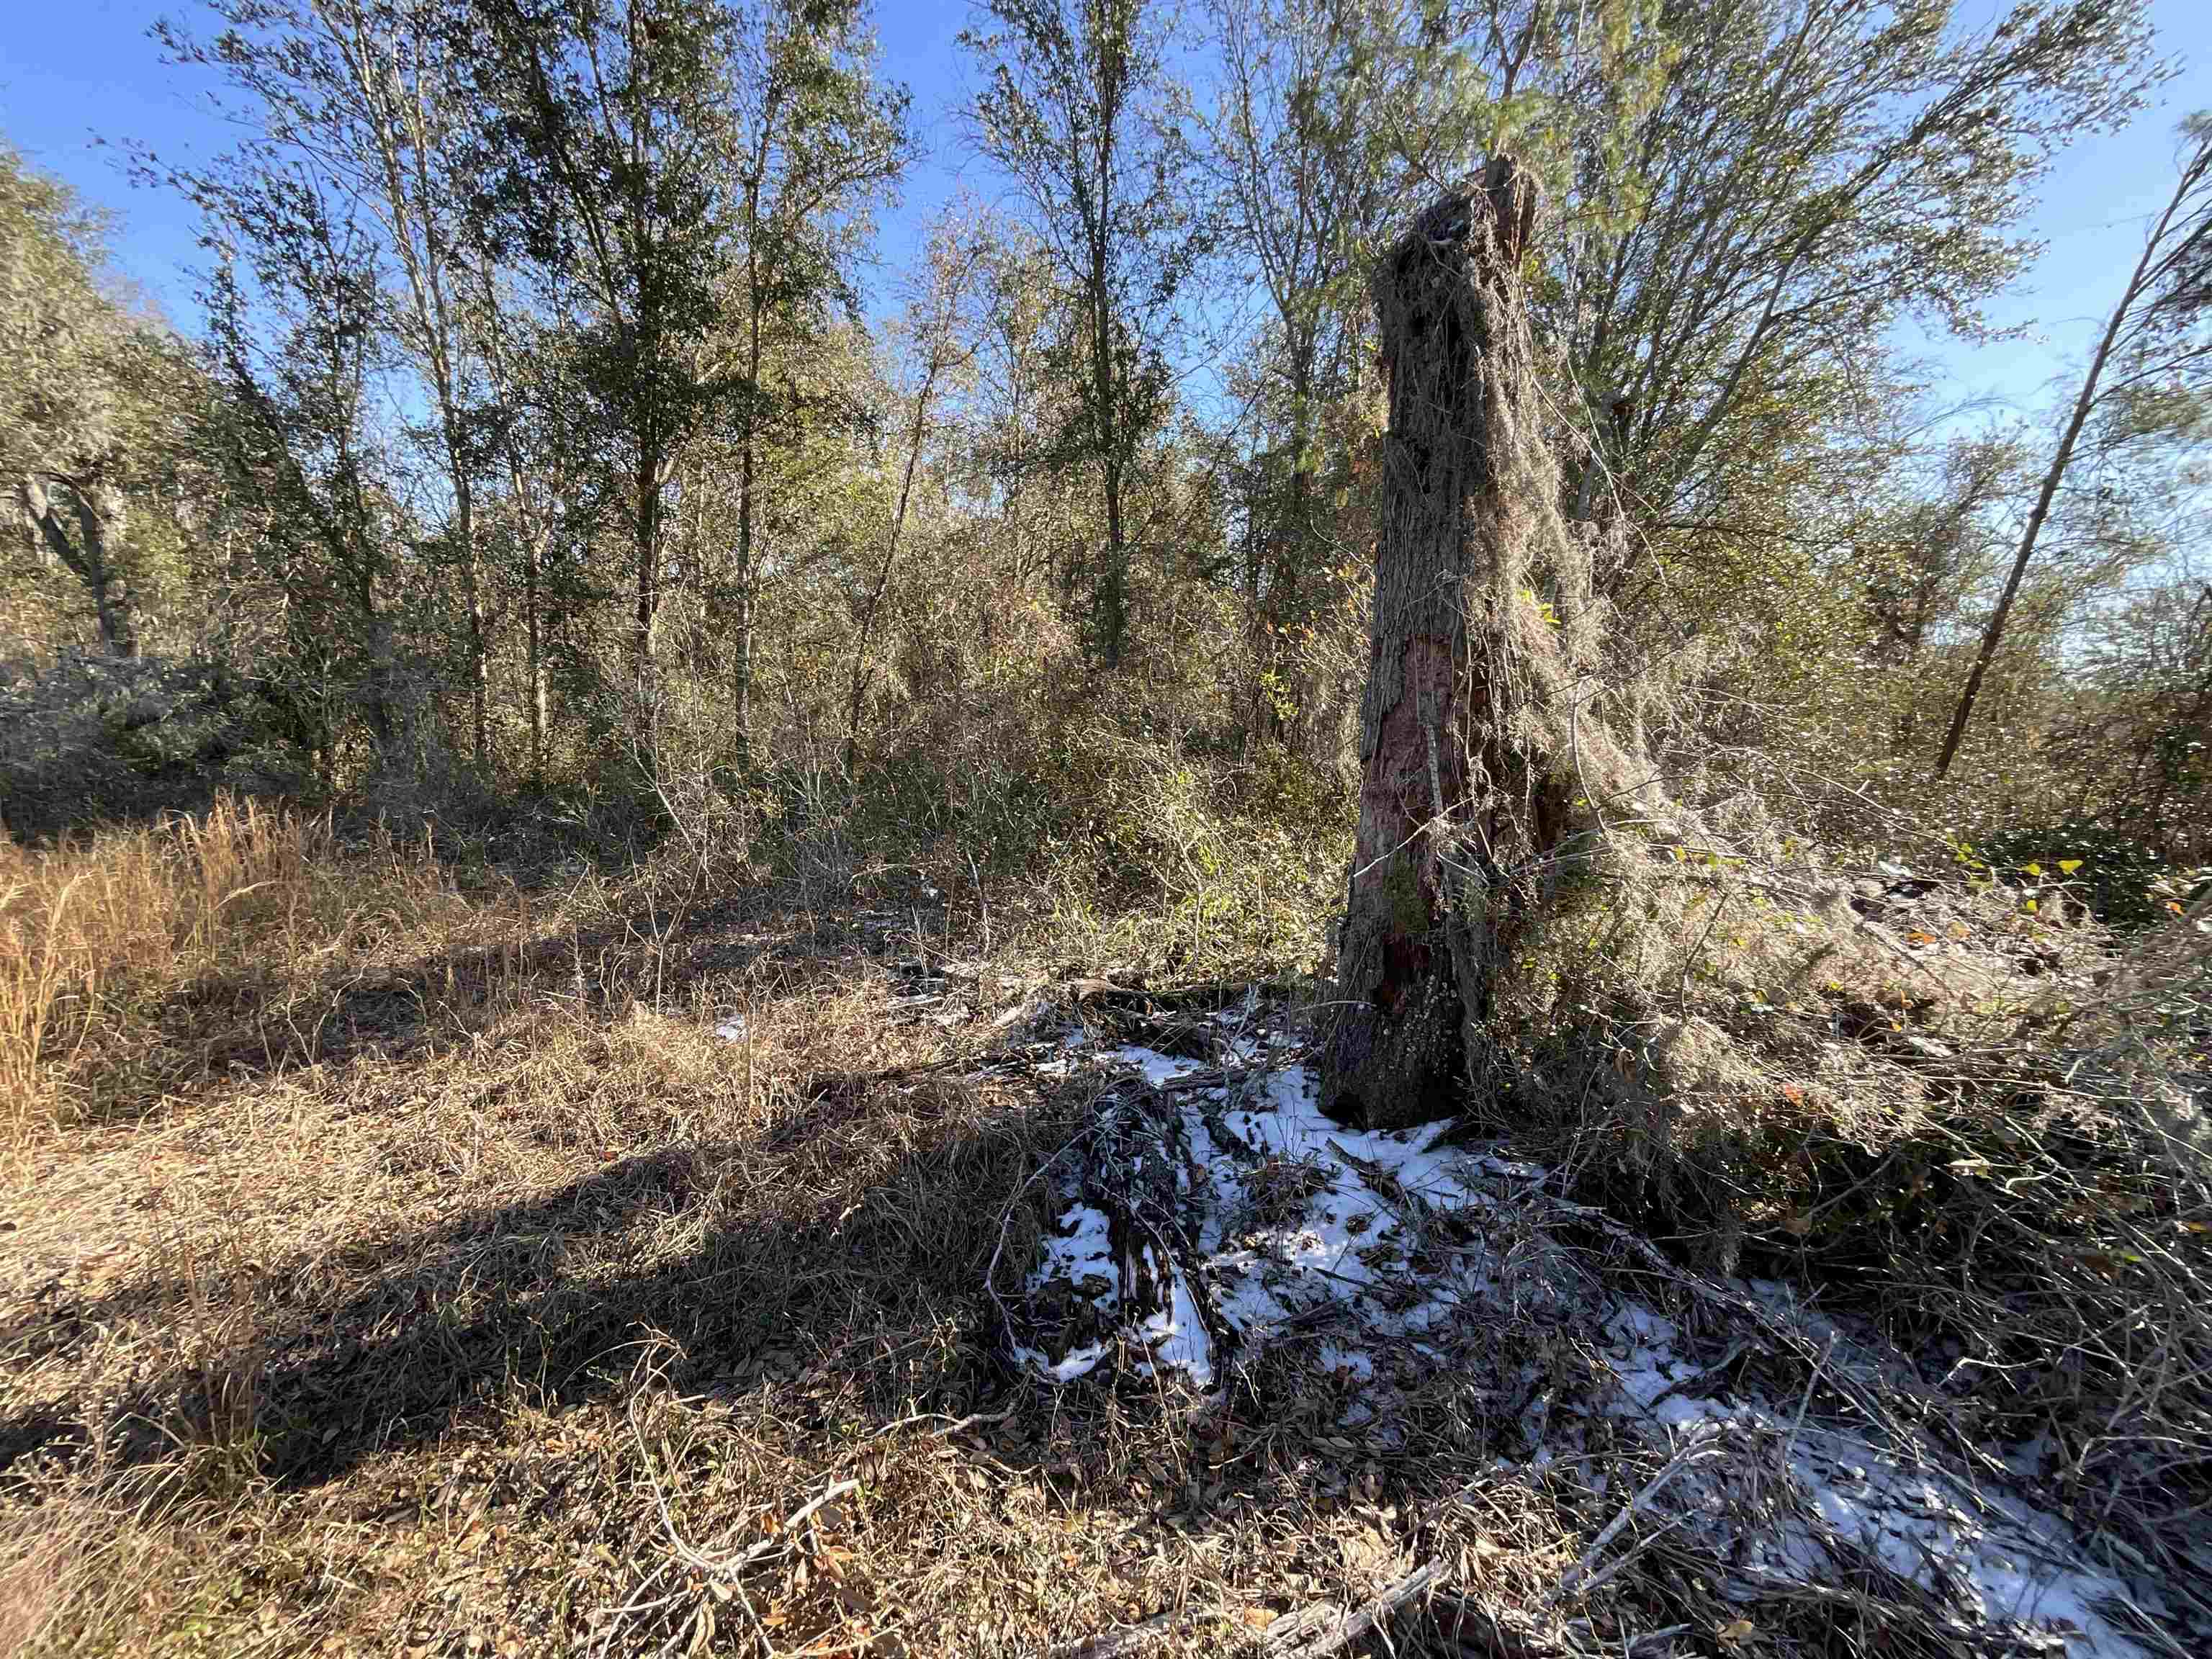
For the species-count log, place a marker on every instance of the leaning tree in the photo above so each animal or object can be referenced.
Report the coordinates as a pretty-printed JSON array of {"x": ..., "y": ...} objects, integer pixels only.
[{"x": 1486, "y": 760}]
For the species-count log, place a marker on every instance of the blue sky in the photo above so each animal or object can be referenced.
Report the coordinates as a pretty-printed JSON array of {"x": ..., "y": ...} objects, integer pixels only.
[{"x": 77, "y": 78}]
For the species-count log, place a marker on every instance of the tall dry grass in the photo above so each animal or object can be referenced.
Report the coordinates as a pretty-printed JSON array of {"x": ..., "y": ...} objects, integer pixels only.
[{"x": 95, "y": 929}]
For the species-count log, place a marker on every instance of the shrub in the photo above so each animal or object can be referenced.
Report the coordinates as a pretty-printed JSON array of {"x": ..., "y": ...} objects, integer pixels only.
[
  {"x": 90, "y": 738},
  {"x": 2122, "y": 880}
]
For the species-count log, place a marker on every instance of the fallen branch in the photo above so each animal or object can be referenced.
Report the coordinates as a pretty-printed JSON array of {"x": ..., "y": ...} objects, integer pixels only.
[
  {"x": 1695, "y": 1452},
  {"x": 727, "y": 1567},
  {"x": 951, "y": 1425},
  {"x": 1311, "y": 1632},
  {"x": 1112, "y": 1644}
]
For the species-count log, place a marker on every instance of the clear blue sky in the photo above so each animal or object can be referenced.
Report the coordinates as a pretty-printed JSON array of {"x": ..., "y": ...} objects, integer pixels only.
[
  {"x": 77, "y": 76},
  {"x": 2097, "y": 202}
]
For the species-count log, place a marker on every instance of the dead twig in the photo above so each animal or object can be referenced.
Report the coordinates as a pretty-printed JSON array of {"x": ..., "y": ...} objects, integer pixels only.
[{"x": 1310, "y": 1632}]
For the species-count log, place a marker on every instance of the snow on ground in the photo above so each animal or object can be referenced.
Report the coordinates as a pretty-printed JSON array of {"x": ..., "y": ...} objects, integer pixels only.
[
  {"x": 1371, "y": 1244},
  {"x": 2004, "y": 1561}
]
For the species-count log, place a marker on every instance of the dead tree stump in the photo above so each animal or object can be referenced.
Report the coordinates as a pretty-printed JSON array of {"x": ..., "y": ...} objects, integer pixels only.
[{"x": 1464, "y": 727}]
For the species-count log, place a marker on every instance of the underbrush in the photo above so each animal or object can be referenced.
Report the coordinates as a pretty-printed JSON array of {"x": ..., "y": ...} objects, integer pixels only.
[
  {"x": 84, "y": 739},
  {"x": 1095, "y": 849},
  {"x": 496, "y": 1259},
  {"x": 1964, "y": 1108}
]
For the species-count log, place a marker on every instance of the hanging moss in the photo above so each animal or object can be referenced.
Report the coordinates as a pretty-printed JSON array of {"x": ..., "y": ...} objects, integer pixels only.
[{"x": 1484, "y": 743}]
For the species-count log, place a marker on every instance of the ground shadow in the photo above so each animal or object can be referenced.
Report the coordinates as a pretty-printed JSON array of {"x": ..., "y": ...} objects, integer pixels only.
[
  {"x": 233, "y": 1027},
  {"x": 426, "y": 1323}
]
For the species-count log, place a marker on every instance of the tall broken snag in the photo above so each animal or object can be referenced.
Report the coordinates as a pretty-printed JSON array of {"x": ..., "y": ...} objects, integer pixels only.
[{"x": 1481, "y": 610}]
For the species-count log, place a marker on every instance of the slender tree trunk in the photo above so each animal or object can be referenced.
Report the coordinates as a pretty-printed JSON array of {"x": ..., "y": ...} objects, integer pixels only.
[
  {"x": 646, "y": 607},
  {"x": 743, "y": 674},
  {"x": 119, "y": 632},
  {"x": 534, "y": 579},
  {"x": 1113, "y": 586},
  {"x": 884, "y": 571},
  {"x": 2084, "y": 401},
  {"x": 408, "y": 140},
  {"x": 464, "y": 531},
  {"x": 1114, "y": 582},
  {"x": 537, "y": 535},
  {"x": 755, "y": 182},
  {"x": 1455, "y": 804},
  {"x": 741, "y": 670},
  {"x": 1297, "y": 553},
  {"x": 373, "y": 629},
  {"x": 86, "y": 556},
  {"x": 741, "y": 688}
]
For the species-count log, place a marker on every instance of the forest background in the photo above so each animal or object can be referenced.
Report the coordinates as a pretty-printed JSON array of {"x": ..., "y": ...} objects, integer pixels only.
[{"x": 544, "y": 438}]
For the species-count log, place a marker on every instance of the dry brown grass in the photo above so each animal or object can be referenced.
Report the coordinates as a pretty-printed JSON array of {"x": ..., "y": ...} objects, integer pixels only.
[
  {"x": 509, "y": 1322},
  {"x": 102, "y": 936},
  {"x": 1961, "y": 1107},
  {"x": 405, "y": 1270}
]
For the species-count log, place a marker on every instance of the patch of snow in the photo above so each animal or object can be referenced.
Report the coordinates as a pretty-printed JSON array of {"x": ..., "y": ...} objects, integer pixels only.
[
  {"x": 1332, "y": 1358},
  {"x": 1177, "y": 1338},
  {"x": 1346, "y": 1197},
  {"x": 732, "y": 1029},
  {"x": 2003, "y": 1559},
  {"x": 1158, "y": 1068},
  {"x": 1085, "y": 1250},
  {"x": 1382, "y": 1245},
  {"x": 1074, "y": 1364}
]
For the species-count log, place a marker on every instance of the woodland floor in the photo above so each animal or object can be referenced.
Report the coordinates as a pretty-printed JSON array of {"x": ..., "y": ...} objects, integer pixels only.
[{"x": 483, "y": 1307}]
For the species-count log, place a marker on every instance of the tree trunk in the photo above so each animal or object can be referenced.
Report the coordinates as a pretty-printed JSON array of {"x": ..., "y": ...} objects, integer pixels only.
[
  {"x": 1993, "y": 634},
  {"x": 866, "y": 633},
  {"x": 464, "y": 528},
  {"x": 1113, "y": 586},
  {"x": 647, "y": 727},
  {"x": 2157, "y": 263},
  {"x": 741, "y": 686},
  {"x": 86, "y": 558},
  {"x": 1459, "y": 802},
  {"x": 534, "y": 647}
]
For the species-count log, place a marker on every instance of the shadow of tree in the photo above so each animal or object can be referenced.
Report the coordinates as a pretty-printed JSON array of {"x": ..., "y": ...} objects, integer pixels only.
[
  {"x": 695, "y": 1249},
  {"x": 239, "y": 1026},
  {"x": 820, "y": 1270}
]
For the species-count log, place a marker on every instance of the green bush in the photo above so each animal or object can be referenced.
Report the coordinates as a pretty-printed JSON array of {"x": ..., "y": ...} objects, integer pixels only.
[{"x": 2122, "y": 880}]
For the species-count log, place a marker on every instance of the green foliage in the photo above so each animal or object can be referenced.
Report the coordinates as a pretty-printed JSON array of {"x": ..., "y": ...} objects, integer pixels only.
[
  {"x": 2123, "y": 881},
  {"x": 537, "y": 441},
  {"x": 96, "y": 457},
  {"x": 1072, "y": 113}
]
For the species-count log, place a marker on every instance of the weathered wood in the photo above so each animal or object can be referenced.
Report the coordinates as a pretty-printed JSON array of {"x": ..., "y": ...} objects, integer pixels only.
[
  {"x": 1457, "y": 799},
  {"x": 1312, "y": 1632}
]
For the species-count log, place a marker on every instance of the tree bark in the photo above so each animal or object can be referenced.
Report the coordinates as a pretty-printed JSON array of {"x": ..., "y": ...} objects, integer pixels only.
[
  {"x": 646, "y": 685},
  {"x": 86, "y": 558},
  {"x": 1456, "y": 804},
  {"x": 534, "y": 649}
]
